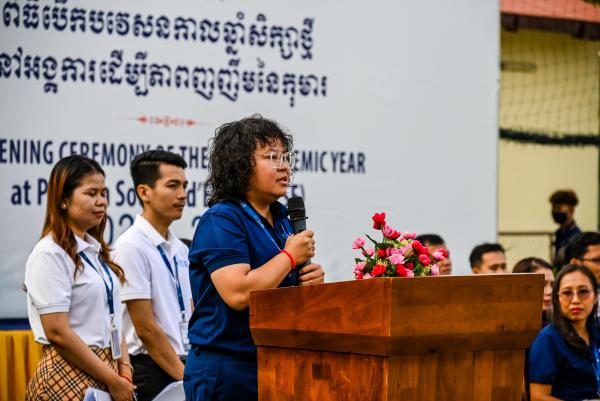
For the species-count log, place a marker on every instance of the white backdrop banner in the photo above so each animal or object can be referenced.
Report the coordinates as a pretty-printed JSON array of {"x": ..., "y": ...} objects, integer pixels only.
[{"x": 392, "y": 106}]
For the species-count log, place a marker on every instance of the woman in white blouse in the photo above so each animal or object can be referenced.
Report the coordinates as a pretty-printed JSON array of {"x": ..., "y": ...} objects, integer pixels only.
[{"x": 72, "y": 285}]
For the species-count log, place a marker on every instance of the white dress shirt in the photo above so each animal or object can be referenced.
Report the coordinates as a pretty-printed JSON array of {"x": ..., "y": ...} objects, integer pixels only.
[
  {"x": 149, "y": 278},
  {"x": 53, "y": 286}
]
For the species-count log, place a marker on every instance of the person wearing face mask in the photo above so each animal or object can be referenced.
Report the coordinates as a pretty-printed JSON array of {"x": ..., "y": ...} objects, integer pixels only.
[{"x": 563, "y": 208}]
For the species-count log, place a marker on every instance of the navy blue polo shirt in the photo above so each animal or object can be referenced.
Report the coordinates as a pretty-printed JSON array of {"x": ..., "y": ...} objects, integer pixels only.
[
  {"x": 552, "y": 361},
  {"x": 226, "y": 234}
]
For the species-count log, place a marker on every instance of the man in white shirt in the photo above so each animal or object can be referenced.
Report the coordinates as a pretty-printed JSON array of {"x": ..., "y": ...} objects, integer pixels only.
[{"x": 157, "y": 293}]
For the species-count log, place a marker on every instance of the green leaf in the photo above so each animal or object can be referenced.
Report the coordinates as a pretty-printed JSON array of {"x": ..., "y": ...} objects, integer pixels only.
[{"x": 375, "y": 243}]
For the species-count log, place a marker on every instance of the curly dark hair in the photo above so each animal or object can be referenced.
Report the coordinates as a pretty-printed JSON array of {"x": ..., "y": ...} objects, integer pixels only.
[
  {"x": 231, "y": 157},
  {"x": 564, "y": 197},
  {"x": 562, "y": 324}
]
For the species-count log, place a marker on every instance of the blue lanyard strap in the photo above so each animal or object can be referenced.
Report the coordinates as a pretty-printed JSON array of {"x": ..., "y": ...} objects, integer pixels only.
[
  {"x": 109, "y": 291},
  {"x": 596, "y": 365},
  {"x": 175, "y": 276},
  {"x": 253, "y": 214}
]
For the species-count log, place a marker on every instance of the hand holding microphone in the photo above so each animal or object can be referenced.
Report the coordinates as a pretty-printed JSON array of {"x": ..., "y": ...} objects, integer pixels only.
[
  {"x": 301, "y": 246},
  {"x": 303, "y": 242}
]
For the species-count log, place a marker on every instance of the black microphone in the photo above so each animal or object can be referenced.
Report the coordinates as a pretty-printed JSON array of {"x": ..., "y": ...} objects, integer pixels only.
[{"x": 297, "y": 214}]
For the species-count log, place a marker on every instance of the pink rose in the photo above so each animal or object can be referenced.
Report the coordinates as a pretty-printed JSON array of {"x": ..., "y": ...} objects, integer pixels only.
[
  {"x": 410, "y": 273},
  {"x": 406, "y": 249},
  {"x": 368, "y": 251},
  {"x": 367, "y": 276},
  {"x": 387, "y": 231},
  {"x": 358, "y": 243},
  {"x": 390, "y": 233},
  {"x": 393, "y": 251},
  {"x": 424, "y": 259},
  {"x": 396, "y": 259},
  {"x": 435, "y": 270},
  {"x": 438, "y": 254},
  {"x": 360, "y": 266},
  {"x": 409, "y": 235}
]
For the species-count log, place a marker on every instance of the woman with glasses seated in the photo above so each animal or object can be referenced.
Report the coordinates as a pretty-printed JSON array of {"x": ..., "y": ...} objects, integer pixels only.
[
  {"x": 563, "y": 362},
  {"x": 243, "y": 243}
]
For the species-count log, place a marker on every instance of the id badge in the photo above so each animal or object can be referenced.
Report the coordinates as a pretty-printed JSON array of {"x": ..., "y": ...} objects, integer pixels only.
[
  {"x": 115, "y": 343},
  {"x": 183, "y": 328}
]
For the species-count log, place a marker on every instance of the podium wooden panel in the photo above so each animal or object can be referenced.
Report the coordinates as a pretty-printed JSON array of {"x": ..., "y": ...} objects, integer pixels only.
[{"x": 454, "y": 338}]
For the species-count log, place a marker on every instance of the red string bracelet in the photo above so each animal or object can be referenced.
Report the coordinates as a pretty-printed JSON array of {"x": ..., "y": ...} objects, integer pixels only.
[
  {"x": 126, "y": 378},
  {"x": 289, "y": 255}
]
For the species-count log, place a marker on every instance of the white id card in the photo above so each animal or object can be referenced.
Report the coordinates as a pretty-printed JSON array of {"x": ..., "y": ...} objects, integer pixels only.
[
  {"x": 115, "y": 343},
  {"x": 183, "y": 328}
]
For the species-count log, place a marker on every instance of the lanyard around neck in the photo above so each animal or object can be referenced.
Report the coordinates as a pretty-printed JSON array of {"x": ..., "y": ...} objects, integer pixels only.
[
  {"x": 249, "y": 211},
  {"x": 596, "y": 365},
  {"x": 175, "y": 276},
  {"x": 109, "y": 290}
]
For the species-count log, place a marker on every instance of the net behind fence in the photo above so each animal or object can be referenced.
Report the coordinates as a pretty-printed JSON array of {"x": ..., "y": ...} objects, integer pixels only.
[
  {"x": 549, "y": 91},
  {"x": 520, "y": 245}
]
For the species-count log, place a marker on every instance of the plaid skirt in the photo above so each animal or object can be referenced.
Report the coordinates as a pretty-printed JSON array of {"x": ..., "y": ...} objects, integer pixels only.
[{"x": 55, "y": 379}]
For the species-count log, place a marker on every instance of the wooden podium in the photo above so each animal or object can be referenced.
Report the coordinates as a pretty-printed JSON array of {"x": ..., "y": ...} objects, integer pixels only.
[{"x": 454, "y": 338}]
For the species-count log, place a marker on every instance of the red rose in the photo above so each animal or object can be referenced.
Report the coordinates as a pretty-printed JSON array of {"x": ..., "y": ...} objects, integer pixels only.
[
  {"x": 424, "y": 259},
  {"x": 419, "y": 248},
  {"x": 378, "y": 220},
  {"x": 410, "y": 266},
  {"x": 394, "y": 235},
  {"x": 378, "y": 270},
  {"x": 445, "y": 253},
  {"x": 358, "y": 275},
  {"x": 381, "y": 253},
  {"x": 401, "y": 271}
]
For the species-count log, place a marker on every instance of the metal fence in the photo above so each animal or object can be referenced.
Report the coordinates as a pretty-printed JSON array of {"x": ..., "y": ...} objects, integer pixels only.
[{"x": 523, "y": 244}]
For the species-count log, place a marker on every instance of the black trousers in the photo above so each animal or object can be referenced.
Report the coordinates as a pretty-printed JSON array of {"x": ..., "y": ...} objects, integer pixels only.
[{"x": 149, "y": 378}]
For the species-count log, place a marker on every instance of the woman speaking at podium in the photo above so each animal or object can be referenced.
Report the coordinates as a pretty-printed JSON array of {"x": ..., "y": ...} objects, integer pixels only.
[
  {"x": 244, "y": 242},
  {"x": 72, "y": 285}
]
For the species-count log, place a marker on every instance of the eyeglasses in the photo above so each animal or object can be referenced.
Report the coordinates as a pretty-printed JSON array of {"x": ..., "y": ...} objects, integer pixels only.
[
  {"x": 277, "y": 159},
  {"x": 582, "y": 294}
]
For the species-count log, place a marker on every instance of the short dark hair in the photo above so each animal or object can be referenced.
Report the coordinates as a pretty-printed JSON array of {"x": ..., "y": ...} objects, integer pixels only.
[
  {"x": 562, "y": 323},
  {"x": 477, "y": 253},
  {"x": 530, "y": 265},
  {"x": 231, "y": 158},
  {"x": 564, "y": 197},
  {"x": 430, "y": 239},
  {"x": 145, "y": 167},
  {"x": 578, "y": 245}
]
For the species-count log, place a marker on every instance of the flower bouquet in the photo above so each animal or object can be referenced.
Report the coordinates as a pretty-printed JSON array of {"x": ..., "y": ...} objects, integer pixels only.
[{"x": 397, "y": 255}]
